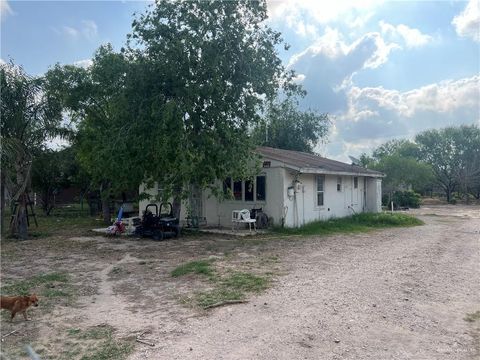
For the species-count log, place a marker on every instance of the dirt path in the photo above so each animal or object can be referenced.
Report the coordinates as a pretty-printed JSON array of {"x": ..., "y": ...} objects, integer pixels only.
[{"x": 393, "y": 294}]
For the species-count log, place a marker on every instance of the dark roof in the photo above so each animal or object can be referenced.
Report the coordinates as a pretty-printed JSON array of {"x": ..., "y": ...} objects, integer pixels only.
[{"x": 299, "y": 159}]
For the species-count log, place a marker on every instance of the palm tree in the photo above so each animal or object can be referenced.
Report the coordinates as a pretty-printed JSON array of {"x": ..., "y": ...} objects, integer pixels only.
[{"x": 30, "y": 115}]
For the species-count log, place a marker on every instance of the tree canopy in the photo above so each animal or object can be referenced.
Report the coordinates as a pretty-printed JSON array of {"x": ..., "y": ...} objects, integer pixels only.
[
  {"x": 286, "y": 127},
  {"x": 454, "y": 155},
  {"x": 175, "y": 105},
  {"x": 31, "y": 114}
]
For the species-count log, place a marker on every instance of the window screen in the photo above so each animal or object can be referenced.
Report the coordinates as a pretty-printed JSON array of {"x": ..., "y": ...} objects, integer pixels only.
[
  {"x": 320, "y": 189},
  {"x": 249, "y": 190},
  {"x": 261, "y": 191},
  {"x": 237, "y": 190}
]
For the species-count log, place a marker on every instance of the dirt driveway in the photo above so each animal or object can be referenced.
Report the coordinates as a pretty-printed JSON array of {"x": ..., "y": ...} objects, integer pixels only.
[{"x": 392, "y": 294}]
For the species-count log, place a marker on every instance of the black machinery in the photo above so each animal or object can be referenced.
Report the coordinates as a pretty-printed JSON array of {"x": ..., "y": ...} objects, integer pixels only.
[{"x": 158, "y": 225}]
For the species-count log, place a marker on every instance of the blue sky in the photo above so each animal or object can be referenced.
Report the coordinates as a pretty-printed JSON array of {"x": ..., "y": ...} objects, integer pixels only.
[{"x": 381, "y": 69}]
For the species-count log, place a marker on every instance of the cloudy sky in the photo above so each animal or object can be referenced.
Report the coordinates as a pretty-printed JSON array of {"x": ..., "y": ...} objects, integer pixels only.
[{"x": 381, "y": 69}]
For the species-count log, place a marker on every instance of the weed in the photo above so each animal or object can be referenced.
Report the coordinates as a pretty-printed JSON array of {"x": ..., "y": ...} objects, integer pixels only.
[
  {"x": 233, "y": 287},
  {"x": 101, "y": 344},
  {"x": 472, "y": 317},
  {"x": 194, "y": 267},
  {"x": 73, "y": 331},
  {"x": 46, "y": 282},
  {"x": 208, "y": 298},
  {"x": 109, "y": 350},
  {"x": 245, "y": 282},
  {"x": 357, "y": 223}
]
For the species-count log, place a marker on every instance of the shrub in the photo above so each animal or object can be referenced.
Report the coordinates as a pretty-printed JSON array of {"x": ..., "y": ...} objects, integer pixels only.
[{"x": 407, "y": 198}]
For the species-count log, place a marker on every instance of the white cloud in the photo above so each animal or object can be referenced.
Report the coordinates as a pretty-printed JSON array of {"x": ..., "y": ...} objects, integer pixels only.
[
  {"x": 86, "y": 63},
  {"x": 411, "y": 37},
  {"x": 5, "y": 9},
  {"x": 328, "y": 66},
  {"x": 443, "y": 97},
  {"x": 322, "y": 11},
  {"x": 70, "y": 31},
  {"x": 2, "y": 62},
  {"x": 467, "y": 23},
  {"x": 374, "y": 115},
  {"x": 89, "y": 29}
]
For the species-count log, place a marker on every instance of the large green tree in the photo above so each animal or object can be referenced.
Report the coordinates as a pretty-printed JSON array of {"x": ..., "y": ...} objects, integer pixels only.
[
  {"x": 454, "y": 155},
  {"x": 96, "y": 98},
  {"x": 286, "y": 127},
  {"x": 398, "y": 159},
  {"x": 31, "y": 114},
  {"x": 208, "y": 67}
]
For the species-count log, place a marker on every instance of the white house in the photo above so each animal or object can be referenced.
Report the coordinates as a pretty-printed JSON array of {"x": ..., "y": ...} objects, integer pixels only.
[{"x": 293, "y": 188}]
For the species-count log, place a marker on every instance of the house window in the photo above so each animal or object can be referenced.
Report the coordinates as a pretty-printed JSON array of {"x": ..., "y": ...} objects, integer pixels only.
[
  {"x": 320, "y": 189},
  {"x": 339, "y": 183},
  {"x": 261, "y": 193},
  {"x": 227, "y": 186},
  {"x": 355, "y": 182},
  {"x": 237, "y": 190},
  {"x": 249, "y": 190}
]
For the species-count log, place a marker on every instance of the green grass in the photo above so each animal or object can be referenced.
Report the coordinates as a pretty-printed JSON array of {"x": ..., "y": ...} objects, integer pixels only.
[
  {"x": 98, "y": 344},
  {"x": 235, "y": 286},
  {"x": 244, "y": 282},
  {"x": 357, "y": 223},
  {"x": 194, "y": 267},
  {"x": 66, "y": 220},
  {"x": 51, "y": 288},
  {"x": 472, "y": 317},
  {"x": 44, "y": 283}
]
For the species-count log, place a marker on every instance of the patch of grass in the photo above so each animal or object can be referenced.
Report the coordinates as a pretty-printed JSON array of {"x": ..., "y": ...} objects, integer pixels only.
[
  {"x": 245, "y": 282},
  {"x": 194, "y": 267},
  {"x": 472, "y": 317},
  {"x": 73, "y": 331},
  {"x": 97, "y": 343},
  {"x": 208, "y": 298},
  {"x": 67, "y": 220},
  {"x": 46, "y": 283},
  {"x": 357, "y": 223},
  {"x": 110, "y": 350},
  {"x": 233, "y": 287}
]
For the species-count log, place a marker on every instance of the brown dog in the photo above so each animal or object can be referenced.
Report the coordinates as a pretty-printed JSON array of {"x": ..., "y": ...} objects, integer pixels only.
[{"x": 18, "y": 304}]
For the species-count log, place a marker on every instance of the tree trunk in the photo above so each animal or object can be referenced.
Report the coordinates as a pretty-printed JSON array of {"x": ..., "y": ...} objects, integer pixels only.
[
  {"x": 2, "y": 202},
  {"x": 21, "y": 220},
  {"x": 105, "y": 196},
  {"x": 107, "y": 217},
  {"x": 177, "y": 202},
  {"x": 19, "y": 226}
]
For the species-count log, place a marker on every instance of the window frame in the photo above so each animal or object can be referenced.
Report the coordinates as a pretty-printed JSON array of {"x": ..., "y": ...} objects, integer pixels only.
[
  {"x": 318, "y": 177},
  {"x": 339, "y": 184},
  {"x": 229, "y": 185},
  {"x": 355, "y": 182}
]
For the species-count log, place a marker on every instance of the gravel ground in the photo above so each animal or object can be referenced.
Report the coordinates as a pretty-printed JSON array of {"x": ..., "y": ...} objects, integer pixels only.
[{"x": 391, "y": 294}]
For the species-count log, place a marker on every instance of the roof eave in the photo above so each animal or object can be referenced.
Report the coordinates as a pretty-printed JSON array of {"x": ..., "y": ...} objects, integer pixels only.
[{"x": 331, "y": 172}]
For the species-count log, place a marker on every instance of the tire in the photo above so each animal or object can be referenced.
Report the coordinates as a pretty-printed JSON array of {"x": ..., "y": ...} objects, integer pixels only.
[
  {"x": 262, "y": 221},
  {"x": 157, "y": 235}
]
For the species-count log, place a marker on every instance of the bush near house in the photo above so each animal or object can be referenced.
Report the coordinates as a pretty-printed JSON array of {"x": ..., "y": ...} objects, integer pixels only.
[
  {"x": 353, "y": 224},
  {"x": 408, "y": 198}
]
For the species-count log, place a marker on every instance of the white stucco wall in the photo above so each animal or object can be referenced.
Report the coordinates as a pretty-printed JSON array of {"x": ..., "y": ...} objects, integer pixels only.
[
  {"x": 302, "y": 207},
  {"x": 219, "y": 213},
  {"x": 374, "y": 195}
]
